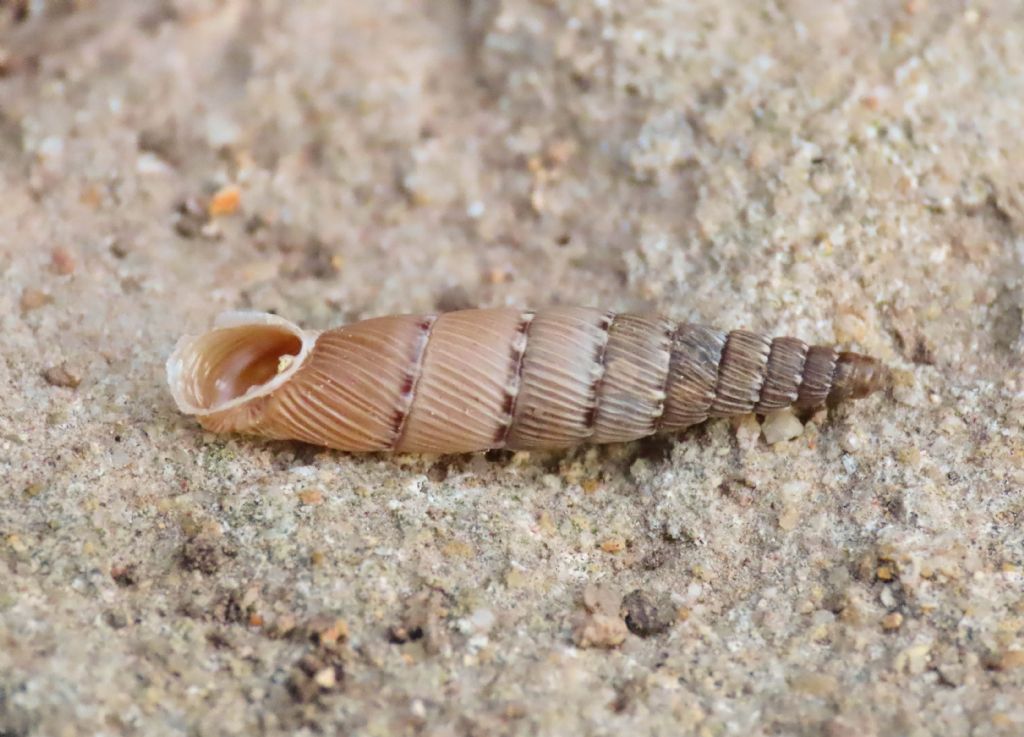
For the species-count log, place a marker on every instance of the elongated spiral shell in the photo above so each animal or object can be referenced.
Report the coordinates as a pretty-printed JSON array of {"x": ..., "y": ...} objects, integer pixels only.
[{"x": 496, "y": 378}]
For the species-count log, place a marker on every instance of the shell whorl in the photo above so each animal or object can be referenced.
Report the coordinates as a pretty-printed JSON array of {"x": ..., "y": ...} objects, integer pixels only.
[{"x": 490, "y": 378}]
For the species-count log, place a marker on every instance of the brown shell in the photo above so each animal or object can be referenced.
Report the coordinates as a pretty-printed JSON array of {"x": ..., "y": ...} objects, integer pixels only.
[{"x": 496, "y": 378}]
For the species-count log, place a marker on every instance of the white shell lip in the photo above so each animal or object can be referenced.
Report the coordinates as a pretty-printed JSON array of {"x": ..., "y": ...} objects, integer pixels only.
[{"x": 181, "y": 361}]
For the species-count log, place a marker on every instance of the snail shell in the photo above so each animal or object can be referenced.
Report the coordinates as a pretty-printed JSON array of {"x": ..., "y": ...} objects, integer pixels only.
[{"x": 496, "y": 378}]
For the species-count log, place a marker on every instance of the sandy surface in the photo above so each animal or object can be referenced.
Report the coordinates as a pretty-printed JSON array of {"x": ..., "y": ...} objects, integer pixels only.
[{"x": 849, "y": 172}]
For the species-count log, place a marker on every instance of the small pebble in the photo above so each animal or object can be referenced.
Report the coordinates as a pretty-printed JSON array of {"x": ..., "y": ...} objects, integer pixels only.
[
  {"x": 614, "y": 545},
  {"x": 33, "y": 299},
  {"x": 315, "y": 673},
  {"x": 481, "y": 621},
  {"x": 914, "y": 659},
  {"x": 814, "y": 684},
  {"x": 602, "y": 599},
  {"x": 51, "y": 149},
  {"x": 850, "y": 441},
  {"x": 647, "y": 615},
  {"x": 221, "y": 131},
  {"x": 600, "y": 630},
  {"x": 62, "y": 261},
  {"x": 211, "y": 231},
  {"x": 311, "y": 497},
  {"x": 226, "y": 201},
  {"x": 283, "y": 625},
  {"x": 789, "y": 518},
  {"x": 1011, "y": 660},
  {"x": 892, "y": 621},
  {"x": 150, "y": 164},
  {"x": 61, "y": 376},
  {"x": 326, "y": 678},
  {"x": 781, "y": 425},
  {"x": 497, "y": 276}
]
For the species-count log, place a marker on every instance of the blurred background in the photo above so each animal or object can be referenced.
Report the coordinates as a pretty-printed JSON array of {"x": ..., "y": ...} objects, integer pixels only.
[{"x": 844, "y": 172}]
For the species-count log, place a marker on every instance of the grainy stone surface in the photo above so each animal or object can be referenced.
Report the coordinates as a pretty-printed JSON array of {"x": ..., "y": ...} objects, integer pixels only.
[{"x": 842, "y": 171}]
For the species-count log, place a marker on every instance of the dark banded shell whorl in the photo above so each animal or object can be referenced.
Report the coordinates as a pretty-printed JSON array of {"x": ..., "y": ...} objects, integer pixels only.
[{"x": 496, "y": 378}]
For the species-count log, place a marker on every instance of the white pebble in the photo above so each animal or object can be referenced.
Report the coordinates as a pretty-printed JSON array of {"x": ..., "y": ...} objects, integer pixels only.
[
  {"x": 850, "y": 441},
  {"x": 51, "y": 149},
  {"x": 221, "y": 131},
  {"x": 149, "y": 163},
  {"x": 781, "y": 425},
  {"x": 482, "y": 620}
]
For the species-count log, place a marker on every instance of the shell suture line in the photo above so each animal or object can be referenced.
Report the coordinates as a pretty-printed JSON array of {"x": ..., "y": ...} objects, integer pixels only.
[
  {"x": 413, "y": 378},
  {"x": 515, "y": 385}
]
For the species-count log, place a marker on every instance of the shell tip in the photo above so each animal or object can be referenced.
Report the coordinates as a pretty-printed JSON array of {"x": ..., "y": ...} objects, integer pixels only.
[{"x": 857, "y": 376}]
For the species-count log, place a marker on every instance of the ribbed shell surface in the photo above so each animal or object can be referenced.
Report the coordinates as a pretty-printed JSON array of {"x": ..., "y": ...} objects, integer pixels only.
[
  {"x": 562, "y": 365},
  {"x": 490, "y": 378},
  {"x": 469, "y": 376},
  {"x": 631, "y": 393},
  {"x": 356, "y": 386}
]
